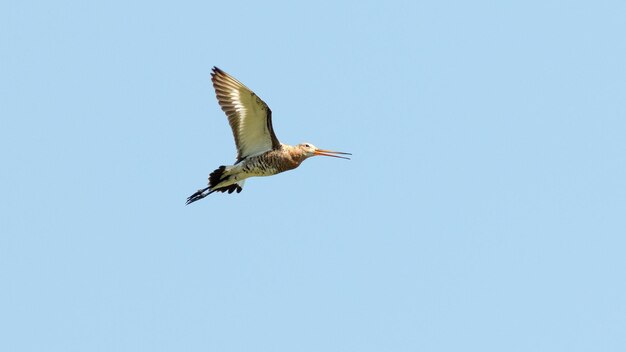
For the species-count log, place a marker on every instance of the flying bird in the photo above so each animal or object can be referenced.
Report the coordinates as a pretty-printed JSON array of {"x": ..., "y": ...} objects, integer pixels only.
[{"x": 259, "y": 153}]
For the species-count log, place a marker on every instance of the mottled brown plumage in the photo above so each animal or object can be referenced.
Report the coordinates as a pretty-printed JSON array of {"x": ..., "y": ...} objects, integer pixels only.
[{"x": 259, "y": 153}]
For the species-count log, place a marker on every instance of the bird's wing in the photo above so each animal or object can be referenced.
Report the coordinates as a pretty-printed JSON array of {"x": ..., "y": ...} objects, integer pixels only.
[{"x": 249, "y": 117}]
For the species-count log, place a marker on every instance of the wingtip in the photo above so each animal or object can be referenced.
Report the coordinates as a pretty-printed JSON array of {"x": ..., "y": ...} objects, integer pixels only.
[{"x": 216, "y": 72}]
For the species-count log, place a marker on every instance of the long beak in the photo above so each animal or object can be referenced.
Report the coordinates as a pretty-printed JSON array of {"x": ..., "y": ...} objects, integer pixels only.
[{"x": 331, "y": 153}]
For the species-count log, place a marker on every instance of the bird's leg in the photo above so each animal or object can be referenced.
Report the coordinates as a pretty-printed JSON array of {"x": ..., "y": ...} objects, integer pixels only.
[{"x": 201, "y": 193}]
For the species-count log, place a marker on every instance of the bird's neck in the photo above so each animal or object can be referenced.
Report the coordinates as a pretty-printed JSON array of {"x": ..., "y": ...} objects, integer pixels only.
[{"x": 297, "y": 155}]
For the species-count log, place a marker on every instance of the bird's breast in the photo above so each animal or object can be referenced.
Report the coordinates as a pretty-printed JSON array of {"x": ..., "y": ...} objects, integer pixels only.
[{"x": 269, "y": 163}]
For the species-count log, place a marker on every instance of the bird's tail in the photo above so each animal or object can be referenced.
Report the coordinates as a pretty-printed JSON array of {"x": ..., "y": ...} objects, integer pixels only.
[{"x": 215, "y": 178}]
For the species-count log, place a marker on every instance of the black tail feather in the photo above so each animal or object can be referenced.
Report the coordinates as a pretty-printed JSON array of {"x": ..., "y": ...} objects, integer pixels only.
[
  {"x": 214, "y": 179},
  {"x": 216, "y": 176}
]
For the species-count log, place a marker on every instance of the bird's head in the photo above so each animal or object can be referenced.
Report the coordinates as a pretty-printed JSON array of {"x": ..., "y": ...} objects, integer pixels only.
[{"x": 309, "y": 150}]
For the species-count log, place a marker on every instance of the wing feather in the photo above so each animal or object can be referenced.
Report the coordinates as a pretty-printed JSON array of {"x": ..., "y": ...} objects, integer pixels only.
[{"x": 249, "y": 117}]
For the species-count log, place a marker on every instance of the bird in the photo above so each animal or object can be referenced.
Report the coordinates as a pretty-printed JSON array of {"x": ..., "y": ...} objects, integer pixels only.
[{"x": 259, "y": 153}]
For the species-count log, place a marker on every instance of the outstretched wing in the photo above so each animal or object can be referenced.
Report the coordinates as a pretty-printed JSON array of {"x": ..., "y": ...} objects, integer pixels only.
[{"x": 249, "y": 117}]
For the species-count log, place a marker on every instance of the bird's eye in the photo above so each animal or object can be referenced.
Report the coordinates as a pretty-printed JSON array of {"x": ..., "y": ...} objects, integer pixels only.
[{"x": 306, "y": 145}]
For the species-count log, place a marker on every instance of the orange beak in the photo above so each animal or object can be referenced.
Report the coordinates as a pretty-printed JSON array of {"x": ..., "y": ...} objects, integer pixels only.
[{"x": 331, "y": 153}]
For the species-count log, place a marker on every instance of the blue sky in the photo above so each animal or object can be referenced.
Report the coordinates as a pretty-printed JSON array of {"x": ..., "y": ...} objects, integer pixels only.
[{"x": 483, "y": 210}]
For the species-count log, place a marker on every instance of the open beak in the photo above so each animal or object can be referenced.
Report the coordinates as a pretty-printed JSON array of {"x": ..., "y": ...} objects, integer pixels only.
[{"x": 331, "y": 153}]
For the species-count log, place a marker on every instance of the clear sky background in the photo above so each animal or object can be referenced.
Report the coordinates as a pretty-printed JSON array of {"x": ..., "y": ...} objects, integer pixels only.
[{"x": 484, "y": 208}]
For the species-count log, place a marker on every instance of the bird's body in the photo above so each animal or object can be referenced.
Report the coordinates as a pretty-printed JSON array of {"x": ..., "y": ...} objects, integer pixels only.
[{"x": 259, "y": 153}]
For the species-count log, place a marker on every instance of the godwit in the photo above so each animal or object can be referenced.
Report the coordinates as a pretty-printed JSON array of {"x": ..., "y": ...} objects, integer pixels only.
[{"x": 259, "y": 153}]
